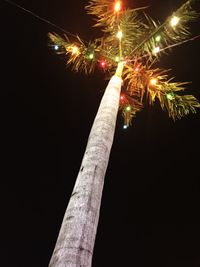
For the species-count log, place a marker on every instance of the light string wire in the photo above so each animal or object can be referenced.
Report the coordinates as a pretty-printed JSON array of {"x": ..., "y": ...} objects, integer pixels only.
[
  {"x": 39, "y": 17},
  {"x": 170, "y": 46}
]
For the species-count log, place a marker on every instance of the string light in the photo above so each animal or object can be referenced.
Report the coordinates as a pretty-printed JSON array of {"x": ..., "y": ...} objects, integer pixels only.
[
  {"x": 170, "y": 96},
  {"x": 125, "y": 126},
  {"x": 109, "y": 51},
  {"x": 117, "y": 59},
  {"x": 103, "y": 63},
  {"x": 158, "y": 38},
  {"x": 91, "y": 56},
  {"x": 174, "y": 21},
  {"x": 153, "y": 81},
  {"x": 74, "y": 50},
  {"x": 156, "y": 50},
  {"x": 128, "y": 108},
  {"x": 137, "y": 69},
  {"x": 117, "y": 7},
  {"x": 119, "y": 34}
]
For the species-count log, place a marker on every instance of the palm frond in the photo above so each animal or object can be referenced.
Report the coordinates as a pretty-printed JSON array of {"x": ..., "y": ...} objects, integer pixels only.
[
  {"x": 173, "y": 30},
  {"x": 129, "y": 107},
  {"x": 103, "y": 11}
]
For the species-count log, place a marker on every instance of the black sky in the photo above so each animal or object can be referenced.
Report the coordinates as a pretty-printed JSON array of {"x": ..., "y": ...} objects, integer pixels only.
[{"x": 150, "y": 206}]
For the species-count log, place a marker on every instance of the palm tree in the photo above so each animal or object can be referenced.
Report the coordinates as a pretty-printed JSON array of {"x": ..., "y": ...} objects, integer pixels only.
[{"x": 131, "y": 45}]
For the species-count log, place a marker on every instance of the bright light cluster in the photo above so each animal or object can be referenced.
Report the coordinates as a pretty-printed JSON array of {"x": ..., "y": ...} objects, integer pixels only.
[{"x": 118, "y": 46}]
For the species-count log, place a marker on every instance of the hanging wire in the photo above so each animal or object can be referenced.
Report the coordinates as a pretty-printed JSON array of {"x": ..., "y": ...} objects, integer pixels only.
[
  {"x": 40, "y": 18},
  {"x": 180, "y": 43},
  {"x": 171, "y": 46}
]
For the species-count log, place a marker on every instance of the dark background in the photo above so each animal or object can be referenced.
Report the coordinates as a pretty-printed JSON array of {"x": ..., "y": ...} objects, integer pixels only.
[{"x": 150, "y": 205}]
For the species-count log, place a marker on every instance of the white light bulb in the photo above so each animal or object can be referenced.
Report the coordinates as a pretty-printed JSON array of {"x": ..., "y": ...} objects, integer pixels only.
[
  {"x": 174, "y": 21},
  {"x": 119, "y": 35},
  {"x": 156, "y": 50}
]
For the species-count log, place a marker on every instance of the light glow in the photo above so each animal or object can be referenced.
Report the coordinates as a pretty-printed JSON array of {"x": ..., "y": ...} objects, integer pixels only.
[
  {"x": 117, "y": 6},
  {"x": 91, "y": 56},
  {"x": 137, "y": 69},
  {"x": 156, "y": 50},
  {"x": 56, "y": 47},
  {"x": 103, "y": 64},
  {"x": 170, "y": 96},
  {"x": 158, "y": 38},
  {"x": 174, "y": 21},
  {"x": 75, "y": 50},
  {"x": 119, "y": 35},
  {"x": 128, "y": 108},
  {"x": 117, "y": 59},
  {"x": 153, "y": 81}
]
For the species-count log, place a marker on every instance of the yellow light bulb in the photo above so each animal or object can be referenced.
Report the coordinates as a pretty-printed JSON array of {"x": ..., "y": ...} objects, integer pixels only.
[
  {"x": 153, "y": 81},
  {"x": 75, "y": 50},
  {"x": 117, "y": 6},
  {"x": 174, "y": 21},
  {"x": 119, "y": 34},
  {"x": 128, "y": 108},
  {"x": 117, "y": 59}
]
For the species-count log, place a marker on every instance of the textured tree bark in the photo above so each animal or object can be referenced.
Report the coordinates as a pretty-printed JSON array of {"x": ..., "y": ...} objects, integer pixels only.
[{"x": 75, "y": 243}]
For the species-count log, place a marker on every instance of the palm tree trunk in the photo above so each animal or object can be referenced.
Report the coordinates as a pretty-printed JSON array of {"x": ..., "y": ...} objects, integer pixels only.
[{"x": 74, "y": 247}]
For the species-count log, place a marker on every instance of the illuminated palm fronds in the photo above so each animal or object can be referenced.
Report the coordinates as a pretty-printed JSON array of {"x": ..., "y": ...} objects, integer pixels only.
[{"x": 130, "y": 35}]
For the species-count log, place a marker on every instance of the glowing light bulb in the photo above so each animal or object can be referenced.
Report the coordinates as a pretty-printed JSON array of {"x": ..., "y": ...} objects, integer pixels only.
[
  {"x": 128, "y": 108},
  {"x": 91, "y": 56},
  {"x": 103, "y": 64},
  {"x": 174, "y": 21},
  {"x": 122, "y": 97},
  {"x": 56, "y": 47},
  {"x": 117, "y": 59},
  {"x": 153, "y": 81},
  {"x": 125, "y": 126},
  {"x": 158, "y": 38},
  {"x": 156, "y": 50},
  {"x": 75, "y": 50},
  {"x": 119, "y": 34},
  {"x": 137, "y": 69},
  {"x": 117, "y": 6},
  {"x": 170, "y": 96}
]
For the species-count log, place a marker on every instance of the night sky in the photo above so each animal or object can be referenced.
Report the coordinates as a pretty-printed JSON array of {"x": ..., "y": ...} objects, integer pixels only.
[{"x": 151, "y": 198}]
